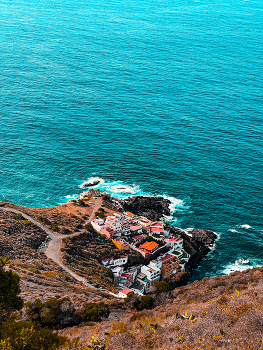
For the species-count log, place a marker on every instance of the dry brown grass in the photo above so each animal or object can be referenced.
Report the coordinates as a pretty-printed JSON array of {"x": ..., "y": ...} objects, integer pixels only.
[{"x": 221, "y": 318}]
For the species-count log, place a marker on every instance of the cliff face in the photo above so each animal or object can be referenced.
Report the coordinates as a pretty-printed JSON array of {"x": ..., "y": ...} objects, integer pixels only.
[{"x": 198, "y": 243}]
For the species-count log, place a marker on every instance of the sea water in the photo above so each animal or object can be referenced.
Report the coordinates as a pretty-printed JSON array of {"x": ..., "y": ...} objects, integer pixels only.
[{"x": 153, "y": 97}]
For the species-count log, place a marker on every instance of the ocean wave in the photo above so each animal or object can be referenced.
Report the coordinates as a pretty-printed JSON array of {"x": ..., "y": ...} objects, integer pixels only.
[
  {"x": 123, "y": 190},
  {"x": 232, "y": 230},
  {"x": 116, "y": 188},
  {"x": 246, "y": 226},
  {"x": 176, "y": 204},
  {"x": 239, "y": 265}
]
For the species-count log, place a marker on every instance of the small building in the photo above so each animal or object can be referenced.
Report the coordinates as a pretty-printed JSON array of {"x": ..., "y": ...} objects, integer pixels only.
[
  {"x": 141, "y": 278},
  {"x": 151, "y": 272},
  {"x": 121, "y": 244},
  {"x": 141, "y": 220},
  {"x": 137, "y": 288},
  {"x": 100, "y": 222},
  {"x": 135, "y": 229},
  {"x": 125, "y": 279},
  {"x": 110, "y": 262},
  {"x": 148, "y": 248},
  {"x": 124, "y": 293},
  {"x": 170, "y": 266},
  {"x": 139, "y": 238},
  {"x": 108, "y": 232}
]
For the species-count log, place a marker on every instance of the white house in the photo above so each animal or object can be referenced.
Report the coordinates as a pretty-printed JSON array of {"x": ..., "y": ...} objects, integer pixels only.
[
  {"x": 152, "y": 272},
  {"x": 123, "y": 293},
  {"x": 175, "y": 242},
  {"x": 114, "y": 262}
]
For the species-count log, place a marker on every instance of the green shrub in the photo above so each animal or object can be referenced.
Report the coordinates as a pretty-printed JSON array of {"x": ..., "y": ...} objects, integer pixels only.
[
  {"x": 93, "y": 312},
  {"x": 29, "y": 336},
  {"x": 88, "y": 226},
  {"x": 43, "y": 220},
  {"x": 161, "y": 287},
  {"x": 54, "y": 313},
  {"x": 17, "y": 216},
  {"x": 147, "y": 301},
  {"x": 9, "y": 291}
]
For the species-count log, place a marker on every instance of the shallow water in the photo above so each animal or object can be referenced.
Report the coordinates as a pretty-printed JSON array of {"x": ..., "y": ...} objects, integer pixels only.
[{"x": 158, "y": 97}]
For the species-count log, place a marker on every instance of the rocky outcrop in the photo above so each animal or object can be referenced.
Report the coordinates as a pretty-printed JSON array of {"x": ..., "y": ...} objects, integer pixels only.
[
  {"x": 90, "y": 184},
  {"x": 198, "y": 243},
  {"x": 151, "y": 207}
]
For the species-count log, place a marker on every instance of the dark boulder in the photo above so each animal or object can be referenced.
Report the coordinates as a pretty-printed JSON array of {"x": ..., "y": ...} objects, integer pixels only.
[
  {"x": 90, "y": 184},
  {"x": 154, "y": 208}
]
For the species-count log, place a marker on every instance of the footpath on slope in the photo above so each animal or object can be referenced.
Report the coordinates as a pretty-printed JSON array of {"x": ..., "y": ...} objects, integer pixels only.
[{"x": 53, "y": 249}]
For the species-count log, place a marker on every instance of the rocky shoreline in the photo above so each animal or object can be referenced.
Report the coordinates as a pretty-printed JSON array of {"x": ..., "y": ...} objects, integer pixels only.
[{"x": 153, "y": 208}]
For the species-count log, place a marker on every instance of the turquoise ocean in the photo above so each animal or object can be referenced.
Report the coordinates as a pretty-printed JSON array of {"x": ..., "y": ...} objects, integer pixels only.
[{"x": 152, "y": 97}]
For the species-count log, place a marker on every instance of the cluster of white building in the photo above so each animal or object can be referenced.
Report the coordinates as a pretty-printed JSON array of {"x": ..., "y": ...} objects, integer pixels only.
[
  {"x": 121, "y": 225},
  {"x": 128, "y": 231}
]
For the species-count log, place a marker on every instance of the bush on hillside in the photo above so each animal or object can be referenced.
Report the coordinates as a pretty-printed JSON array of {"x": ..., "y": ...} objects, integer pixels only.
[
  {"x": 54, "y": 313},
  {"x": 95, "y": 312},
  {"x": 28, "y": 335},
  {"x": 161, "y": 287},
  {"x": 9, "y": 291},
  {"x": 81, "y": 203},
  {"x": 17, "y": 216}
]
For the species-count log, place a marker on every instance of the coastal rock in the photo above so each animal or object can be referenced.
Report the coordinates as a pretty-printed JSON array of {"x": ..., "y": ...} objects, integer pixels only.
[
  {"x": 197, "y": 243},
  {"x": 154, "y": 208},
  {"x": 90, "y": 184}
]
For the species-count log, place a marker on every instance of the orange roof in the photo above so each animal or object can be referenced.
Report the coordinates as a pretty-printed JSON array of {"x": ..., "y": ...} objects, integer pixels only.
[{"x": 149, "y": 245}]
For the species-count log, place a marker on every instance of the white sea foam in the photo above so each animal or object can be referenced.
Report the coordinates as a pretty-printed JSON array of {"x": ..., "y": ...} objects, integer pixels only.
[
  {"x": 175, "y": 204},
  {"x": 188, "y": 229},
  {"x": 124, "y": 189},
  {"x": 232, "y": 230},
  {"x": 239, "y": 265},
  {"x": 246, "y": 226},
  {"x": 92, "y": 180}
]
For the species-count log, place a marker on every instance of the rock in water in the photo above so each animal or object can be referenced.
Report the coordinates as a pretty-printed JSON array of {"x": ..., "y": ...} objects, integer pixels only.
[{"x": 91, "y": 184}]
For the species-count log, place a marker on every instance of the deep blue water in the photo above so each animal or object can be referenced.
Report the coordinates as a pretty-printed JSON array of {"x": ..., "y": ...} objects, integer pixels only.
[{"x": 155, "y": 97}]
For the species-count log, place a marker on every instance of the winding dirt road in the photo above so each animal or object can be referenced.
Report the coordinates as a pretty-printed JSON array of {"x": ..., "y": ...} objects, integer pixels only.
[{"x": 53, "y": 249}]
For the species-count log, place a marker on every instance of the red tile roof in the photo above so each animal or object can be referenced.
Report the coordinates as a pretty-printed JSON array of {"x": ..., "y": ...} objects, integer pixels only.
[
  {"x": 126, "y": 275},
  {"x": 135, "y": 228},
  {"x": 138, "y": 237},
  {"x": 153, "y": 229},
  {"x": 126, "y": 291},
  {"x": 149, "y": 246},
  {"x": 166, "y": 257}
]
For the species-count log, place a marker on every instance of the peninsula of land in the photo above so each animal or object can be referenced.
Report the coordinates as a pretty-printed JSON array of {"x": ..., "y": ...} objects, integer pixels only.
[
  {"x": 101, "y": 242},
  {"x": 104, "y": 270}
]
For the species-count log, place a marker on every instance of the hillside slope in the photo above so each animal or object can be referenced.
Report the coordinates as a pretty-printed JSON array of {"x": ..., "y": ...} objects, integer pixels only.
[{"x": 218, "y": 312}]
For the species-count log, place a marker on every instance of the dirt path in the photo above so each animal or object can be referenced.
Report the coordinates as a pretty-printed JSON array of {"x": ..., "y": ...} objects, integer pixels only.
[{"x": 53, "y": 249}]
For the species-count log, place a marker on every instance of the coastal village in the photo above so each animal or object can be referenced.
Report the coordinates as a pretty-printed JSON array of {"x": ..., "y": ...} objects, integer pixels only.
[{"x": 162, "y": 249}]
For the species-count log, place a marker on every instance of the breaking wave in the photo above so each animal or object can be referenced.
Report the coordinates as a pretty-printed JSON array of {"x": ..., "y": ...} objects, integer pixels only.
[
  {"x": 239, "y": 265},
  {"x": 122, "y": 190},
  {"x": 246, "y": 226}
]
